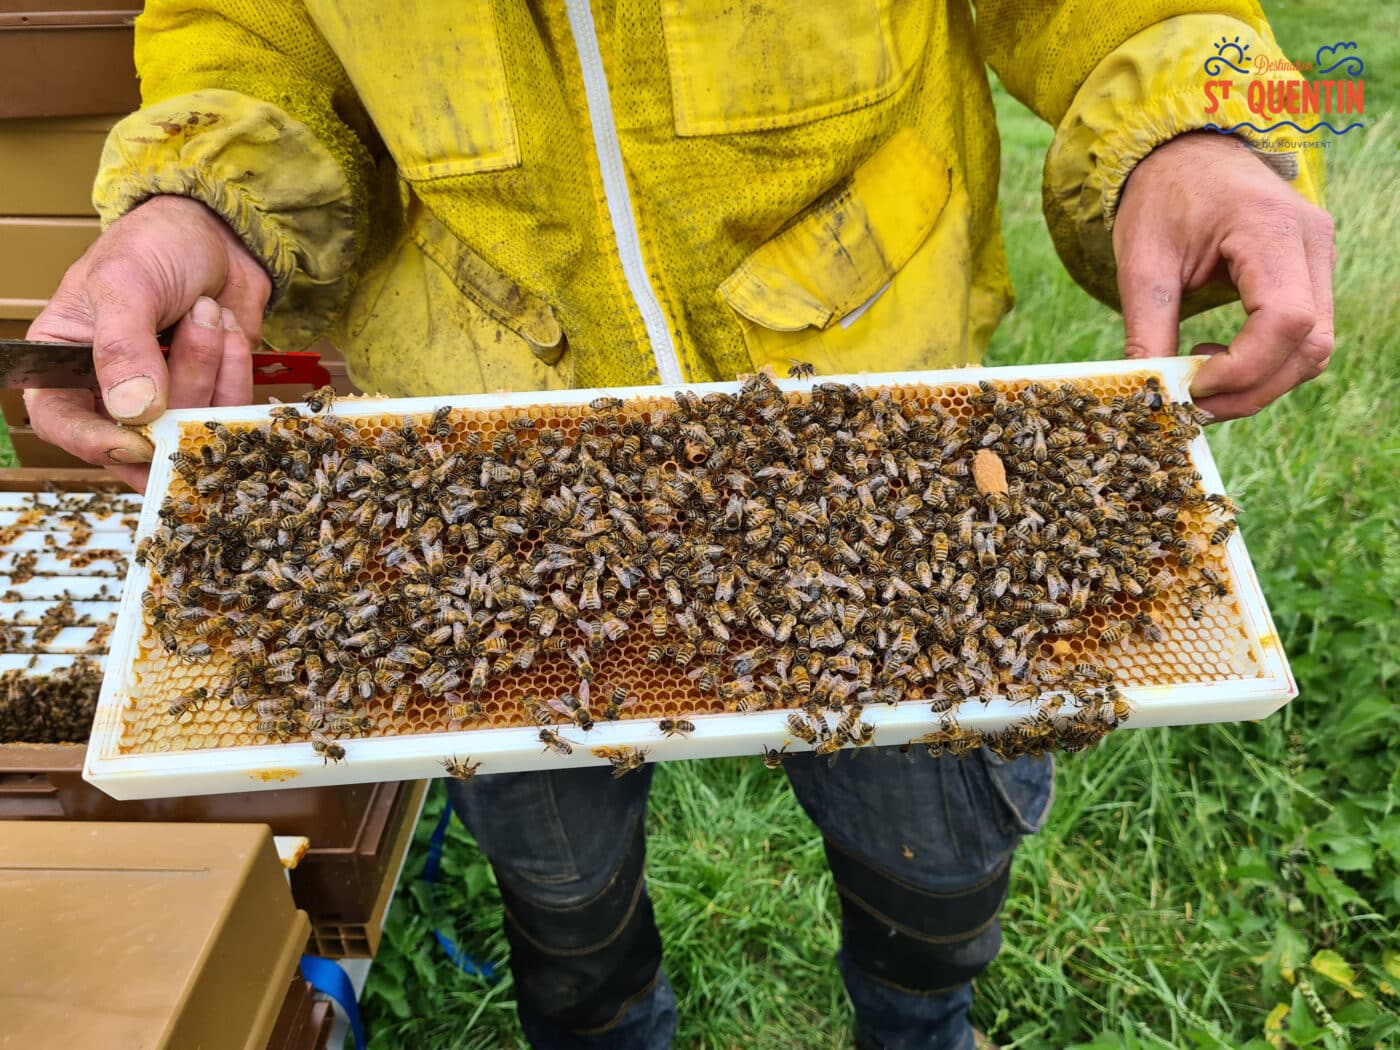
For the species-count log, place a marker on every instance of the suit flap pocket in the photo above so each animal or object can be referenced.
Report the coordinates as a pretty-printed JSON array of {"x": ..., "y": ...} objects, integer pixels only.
[
  {"x": 523, "y": 312},
  {"x": 842, "y": 250}
]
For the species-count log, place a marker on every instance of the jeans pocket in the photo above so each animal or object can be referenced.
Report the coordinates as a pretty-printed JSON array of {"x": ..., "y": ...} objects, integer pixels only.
[
  {"x": 515, "y": 819},
  {"x": 1023, "y": 789}
]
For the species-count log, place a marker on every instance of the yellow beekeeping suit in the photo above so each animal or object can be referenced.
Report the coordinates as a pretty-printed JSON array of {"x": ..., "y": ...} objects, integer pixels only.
[{"x": 437, "y": 184}]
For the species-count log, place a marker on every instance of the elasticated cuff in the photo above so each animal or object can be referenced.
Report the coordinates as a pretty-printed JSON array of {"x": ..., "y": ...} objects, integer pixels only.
[
  {"x": 1147, "y": 92},
  {"x": 263, "y": 173}
]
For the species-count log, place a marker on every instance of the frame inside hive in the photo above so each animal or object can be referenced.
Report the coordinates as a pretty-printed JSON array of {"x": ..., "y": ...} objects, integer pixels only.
[{"x": 1226, "y": 665}]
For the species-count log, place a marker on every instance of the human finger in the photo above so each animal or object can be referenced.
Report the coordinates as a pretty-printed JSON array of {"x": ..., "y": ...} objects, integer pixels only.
[
  {"x": 234, "y": 385},
  {"x": 196, "y": 351},
  {"x": 126, "y": 316},
  {"x": 69, "y": 419},
  {"x": 1149, "y": 288},
  {"x": 1313, "y": 355},
  {"x": 1319, "y": 239},
  {"x": 1267, "y": 262}
]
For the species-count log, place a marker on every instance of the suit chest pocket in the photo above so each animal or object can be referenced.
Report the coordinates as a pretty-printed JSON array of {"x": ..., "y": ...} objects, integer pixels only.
[
  {"x": 431, "y": 77},
  {"x": 755, "y": 66}
]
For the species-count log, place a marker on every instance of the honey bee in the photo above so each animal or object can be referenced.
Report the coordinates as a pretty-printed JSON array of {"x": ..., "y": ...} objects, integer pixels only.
[
  {"x": 1115, "y": 632},
  {"x": 574, "y": 708},
  {"x": 1217, "y": 584},
  {"x": 706, "y": 676},
  {"x": 349, "y": 726},
  {"x": 552, "y": 741},
  {"x": 464, "y": 711},
  {"x": 327, "y": 748},
  {"x": 799, "y": 727},
  {"x": 440, "y": 425},
  {"x": 624, "y": 760},
  {"x": 829, "y": 746},
  {"x": 801, "y": 680},
  {"x": 537, "y": 712},
  {"x": 605, "y": 404},
  {"x": 1149, "y": 627},
  {"x": 589, "y": 597},
  {"x": 460, "y": 769},
  {"x": 675, "y": 727},
  {"x": 940, "y": 547},
  {"x": 773, "y": 757},
  {"x": 187, "y": 700},
  {"x": 740, "y": 689},
  {"x": 1152, "y": 394},
  {"x": 1194, "y": 602},
  {"x": 801, "y": 369},
  {"x": 543, "y": 620},
  {"x": 282, "y": 728},
  {"x": 1119, "y": 708},
  {"x": 320, "y": 399},
  {"x": 481, "y": 671},
  {"x": 1222, "y": 532}
]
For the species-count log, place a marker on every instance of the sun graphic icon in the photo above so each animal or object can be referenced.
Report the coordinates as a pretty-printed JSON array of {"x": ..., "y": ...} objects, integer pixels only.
[{"x": 1240, "y": 50}]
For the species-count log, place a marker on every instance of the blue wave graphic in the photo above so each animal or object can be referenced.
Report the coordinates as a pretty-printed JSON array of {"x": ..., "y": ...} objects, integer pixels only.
[
  {"x": 1283, "y": 124},
  {"x": 1352, "y": 63},
  {"x": 1215, "y": 63}
]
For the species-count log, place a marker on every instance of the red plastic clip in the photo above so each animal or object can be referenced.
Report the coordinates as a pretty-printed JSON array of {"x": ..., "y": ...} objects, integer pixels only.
[{"x": 289, "y": 366}]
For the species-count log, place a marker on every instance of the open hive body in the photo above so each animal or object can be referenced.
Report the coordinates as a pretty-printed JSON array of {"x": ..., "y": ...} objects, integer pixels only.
[
  {"x": 1224, "y": 665},
  {"x": 62, "y": 560}
]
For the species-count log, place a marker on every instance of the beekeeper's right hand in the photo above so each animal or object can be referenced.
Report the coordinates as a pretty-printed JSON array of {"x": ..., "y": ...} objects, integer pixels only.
[{"x": 170, "y": 261}]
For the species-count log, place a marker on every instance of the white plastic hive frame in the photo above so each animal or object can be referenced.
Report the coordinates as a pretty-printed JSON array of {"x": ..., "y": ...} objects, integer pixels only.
[{"x": 1257, "y": 680}]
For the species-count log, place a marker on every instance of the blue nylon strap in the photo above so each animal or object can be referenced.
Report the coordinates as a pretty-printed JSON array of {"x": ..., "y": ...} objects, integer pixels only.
[
  {"x": 329, "y": 979},
  {"x": 459, "y": 957}
]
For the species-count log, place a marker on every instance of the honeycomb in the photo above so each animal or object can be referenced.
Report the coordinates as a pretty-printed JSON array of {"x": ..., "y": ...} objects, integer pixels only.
[{"x": 180, "y": 695}]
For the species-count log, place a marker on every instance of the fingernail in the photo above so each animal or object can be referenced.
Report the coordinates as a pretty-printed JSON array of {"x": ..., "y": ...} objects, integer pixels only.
[
  {"x": 230, "y": 321},
  {"x": 205, "y": 312},
  {"x": 129, "y": 398},
  {"x": 121, "y": 454}
]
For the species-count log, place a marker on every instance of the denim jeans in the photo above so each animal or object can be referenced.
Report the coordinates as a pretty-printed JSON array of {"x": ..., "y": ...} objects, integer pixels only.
[{"x": 920, "y": 849}]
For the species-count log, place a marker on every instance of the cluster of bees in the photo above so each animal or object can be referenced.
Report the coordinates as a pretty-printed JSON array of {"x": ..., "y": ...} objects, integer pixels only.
[
  {"x": 55, "y": 706},
  {"x": 818, "y": 554},
  {"x": 51, "y": 708}
]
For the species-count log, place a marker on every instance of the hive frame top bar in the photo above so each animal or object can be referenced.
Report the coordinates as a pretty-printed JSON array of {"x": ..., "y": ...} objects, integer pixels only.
[
  {"x": 1176, "y": 374},
  {"x": 216, "y": 770}
]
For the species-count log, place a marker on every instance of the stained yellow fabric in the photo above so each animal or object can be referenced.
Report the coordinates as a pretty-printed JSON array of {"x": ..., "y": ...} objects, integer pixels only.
[
  {"x": 849, "y": 245},
  {"x": 421, "y": 180},
  {"x": 798, "y": 64}
]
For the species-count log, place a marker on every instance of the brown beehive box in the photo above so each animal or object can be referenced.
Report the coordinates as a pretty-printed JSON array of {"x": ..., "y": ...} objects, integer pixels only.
[
  {"x": 145, "y": 935},
  {"x": 34, "y": 255},
  {"x": 49, "y": 164},
  {"x": 59, "y": 58},
  {"x": 353, "y": 829}
]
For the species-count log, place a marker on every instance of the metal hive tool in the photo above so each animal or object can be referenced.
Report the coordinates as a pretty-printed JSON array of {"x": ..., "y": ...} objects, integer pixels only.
[{"x": 1225, "y": 664}]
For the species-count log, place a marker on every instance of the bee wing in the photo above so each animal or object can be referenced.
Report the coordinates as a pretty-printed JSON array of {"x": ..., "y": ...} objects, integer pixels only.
[{"x": 560, "y": 705}]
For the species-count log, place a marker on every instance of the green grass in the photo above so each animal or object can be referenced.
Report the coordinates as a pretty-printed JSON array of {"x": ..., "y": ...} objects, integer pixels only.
[{"x": 1190, "y": 881}]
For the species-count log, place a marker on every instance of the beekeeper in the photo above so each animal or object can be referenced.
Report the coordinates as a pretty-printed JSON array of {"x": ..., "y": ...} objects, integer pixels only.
[{"x": 504, "y": 194}]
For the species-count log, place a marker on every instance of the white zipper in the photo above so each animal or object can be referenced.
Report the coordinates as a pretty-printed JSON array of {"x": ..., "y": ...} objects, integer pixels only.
[{"x": 619, "y": 198}]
